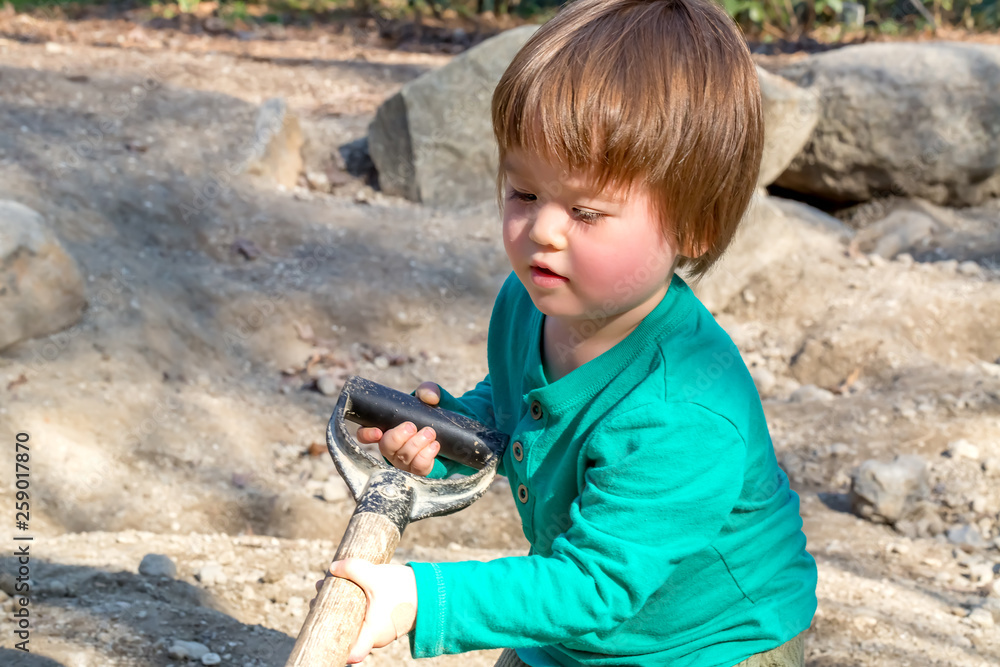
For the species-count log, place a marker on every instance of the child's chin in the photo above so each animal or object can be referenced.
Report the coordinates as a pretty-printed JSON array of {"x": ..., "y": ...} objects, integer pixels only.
[{"x": 556, "y": 307}]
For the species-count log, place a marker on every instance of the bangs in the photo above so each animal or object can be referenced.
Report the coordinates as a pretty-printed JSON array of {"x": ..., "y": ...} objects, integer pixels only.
[{"x": 601, "y": 102}]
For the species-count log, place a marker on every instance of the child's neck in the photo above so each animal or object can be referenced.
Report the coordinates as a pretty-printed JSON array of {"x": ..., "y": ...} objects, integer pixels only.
[{"x": 569, "y": 344}]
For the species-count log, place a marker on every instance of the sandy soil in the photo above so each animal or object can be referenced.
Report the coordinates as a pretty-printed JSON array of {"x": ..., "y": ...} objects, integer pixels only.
[{"x": 181, "y": 417}]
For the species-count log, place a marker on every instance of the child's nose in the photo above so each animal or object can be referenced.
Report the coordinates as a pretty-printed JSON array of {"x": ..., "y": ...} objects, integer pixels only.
[{"x": 549, "y": 227}]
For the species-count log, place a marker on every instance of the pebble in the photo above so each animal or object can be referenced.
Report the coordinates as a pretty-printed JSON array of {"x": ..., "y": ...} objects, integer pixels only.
[
  {"x": 810, "y": 392},
  {"x": 211, "y": 574},
  {"x": 763, "y": 379},
  {"x": 981, "y": 573},
  {"x": 840, "y": 449},
  {"x": 7, "y": 583},
  {"x": 211, "y": 659},
  {"x": 865, "y": 622},
  {"x": 981, "y": 617},
  {"x": 157, "y": 565},
  {"x": 948, "y": 265},
  {"x": 334, "y": 491},
  {"x": 182, "y": 650},
  {"x": 320, "y": 470},
  {"x": 904, "y": 258},
  {"x": 991, "y": 467},
  {"x": 963, "y": 449},
  {"x": 966, "y": 536},
  {"x": 969, "y": 268},
  {"x": 57, "y": 588},
  {"x": 328, "y": 384}
]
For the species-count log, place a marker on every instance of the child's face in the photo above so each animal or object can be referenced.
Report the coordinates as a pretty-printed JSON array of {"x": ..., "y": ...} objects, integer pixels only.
[{"x": 582, "y": 254}]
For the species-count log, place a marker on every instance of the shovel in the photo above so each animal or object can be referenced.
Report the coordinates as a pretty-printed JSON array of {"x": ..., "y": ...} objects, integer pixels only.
[{"x": 387, "y": 500}]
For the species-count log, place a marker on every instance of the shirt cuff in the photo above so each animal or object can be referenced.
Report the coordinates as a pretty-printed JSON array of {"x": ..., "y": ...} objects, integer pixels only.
[{"x": 427, "y": 636}]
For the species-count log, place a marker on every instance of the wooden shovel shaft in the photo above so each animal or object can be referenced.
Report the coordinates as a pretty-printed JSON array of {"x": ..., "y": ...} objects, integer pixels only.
[{"x": 335, "y": 619}]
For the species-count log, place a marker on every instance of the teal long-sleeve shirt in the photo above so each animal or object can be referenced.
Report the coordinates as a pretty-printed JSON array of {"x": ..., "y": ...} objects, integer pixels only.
[{"x": 662, "y": 530}]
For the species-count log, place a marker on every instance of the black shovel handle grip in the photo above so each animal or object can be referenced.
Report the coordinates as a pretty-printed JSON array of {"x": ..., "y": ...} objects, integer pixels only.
[{"x": 462, "y": 440}]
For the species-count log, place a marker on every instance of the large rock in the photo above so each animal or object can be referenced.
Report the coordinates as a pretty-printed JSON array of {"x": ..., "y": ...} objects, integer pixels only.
[
  {"x": 41, "y": 289},
  {"x": 432, "y": 142},
  {"x": 790, "y": 115},
  {"x": 918, "y": 119},
  {"x": 773, "y": 230}
]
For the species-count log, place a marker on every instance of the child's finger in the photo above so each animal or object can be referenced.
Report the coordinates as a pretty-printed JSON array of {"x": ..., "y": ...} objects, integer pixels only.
[
  {"x": 362, "y": 646},
  {"x": 405, "y": 455},
  {"x": 423, "y": 462},
  {"x": 368, "y": 435},
  {"x": 395, "y": 438},
  {"x": 429, "y": 393}
]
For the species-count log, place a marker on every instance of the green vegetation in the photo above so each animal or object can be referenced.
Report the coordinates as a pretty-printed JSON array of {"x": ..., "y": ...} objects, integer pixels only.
[
  {"x": 789, "y": 18},
  {"x": 760, "y": 19}
]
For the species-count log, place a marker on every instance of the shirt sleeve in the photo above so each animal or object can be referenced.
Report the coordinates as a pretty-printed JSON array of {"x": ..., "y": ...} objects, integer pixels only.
[
  {"x": 661, "y": 483},
  {"x": 477, "y": 404}
]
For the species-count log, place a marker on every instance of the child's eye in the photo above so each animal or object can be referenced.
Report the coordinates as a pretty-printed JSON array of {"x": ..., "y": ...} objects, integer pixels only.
[
  {"x": 588, "y": 216},
  {"x": 517, "y": 195}
]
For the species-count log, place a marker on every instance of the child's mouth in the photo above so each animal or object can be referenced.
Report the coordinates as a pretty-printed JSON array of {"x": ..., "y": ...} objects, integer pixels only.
[{"x": 546, "y": 277}]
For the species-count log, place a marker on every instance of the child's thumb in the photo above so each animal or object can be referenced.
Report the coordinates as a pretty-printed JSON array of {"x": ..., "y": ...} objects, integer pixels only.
[{"x": 429, "y": 393}]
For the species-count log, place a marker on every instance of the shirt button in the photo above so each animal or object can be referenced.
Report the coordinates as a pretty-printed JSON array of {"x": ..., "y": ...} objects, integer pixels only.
[
  {"x": 536, "y": 410},
  {"x": 518, "y": 451},
  {"x": 522, "y": 493}
]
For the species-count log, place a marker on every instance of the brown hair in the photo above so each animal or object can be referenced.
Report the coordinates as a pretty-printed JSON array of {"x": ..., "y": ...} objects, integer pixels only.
[{"x": 657, "y": 92}]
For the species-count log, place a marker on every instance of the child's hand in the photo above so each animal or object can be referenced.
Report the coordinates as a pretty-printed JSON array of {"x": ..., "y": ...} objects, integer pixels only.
[
  {"x": 404, "y": 446},
  {"x": 391, "y": 591}
]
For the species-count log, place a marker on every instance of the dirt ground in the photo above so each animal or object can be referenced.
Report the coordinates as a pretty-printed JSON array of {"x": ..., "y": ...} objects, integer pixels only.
[{"x": 180, "y": 417}]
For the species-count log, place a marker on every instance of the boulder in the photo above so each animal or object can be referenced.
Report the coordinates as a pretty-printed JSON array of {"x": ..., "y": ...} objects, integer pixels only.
[
  {"x": 913, "y": 119},
  {"x": 889, "y": 492},
  {"x": 432, "y": 141},
  {"x": 773, "y": 230},
  {"x": 276, "y": 150},
  {"x": 790, "y": 115},
  {"x": 41, "y": 289}
]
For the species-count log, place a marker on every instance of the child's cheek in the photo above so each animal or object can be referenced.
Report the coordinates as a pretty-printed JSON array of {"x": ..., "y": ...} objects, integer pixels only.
[{"x": 512, "y": 232}]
